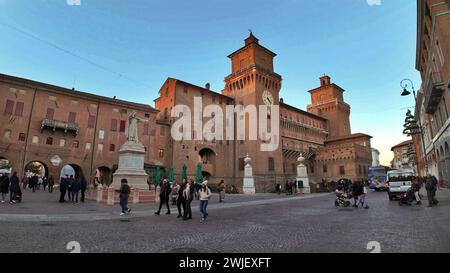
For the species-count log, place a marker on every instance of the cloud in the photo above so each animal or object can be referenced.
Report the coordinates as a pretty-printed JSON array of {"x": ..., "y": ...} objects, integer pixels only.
[
  {"x": 374, "y": 2},
  {"x": 73, "y": 2}
]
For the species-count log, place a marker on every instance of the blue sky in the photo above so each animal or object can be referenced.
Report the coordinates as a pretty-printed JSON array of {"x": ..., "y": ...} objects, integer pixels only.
[{"x": 128, "y": 48}]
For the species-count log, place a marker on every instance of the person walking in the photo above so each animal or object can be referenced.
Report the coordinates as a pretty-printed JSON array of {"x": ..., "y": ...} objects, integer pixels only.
[
  {"x": 4, "y": 186},
  {"x": 362, "y": 191},
  {"x": 431, "y": 186},
  {"x": 40, "y": 181},
  {"x": 164, "y": 197},
  {"x": 33, "y": 181},
  {"x": 188, "y": 194},
  {"x": 44, "y": 182},
  {"x": 356, "y": 191},
  {"x": 69, "y": 186},
  {"x": 83, "y": 187},
  {"x": 416, "y": 189},
  {"x": 181, "y": 201},
  {"x": 63, "y": 185},
  {"x": 51, "y": 183},
  {"x": 24, "y": 181},
  {"x": 221, "y": 188},
  {"x": 124, "y": 194},
  {"x": 75, "y": 189},
  {"x": 204, "y": 194},
  {"x": 14, "y": 188},
  {"x": 278, "y": 188}
]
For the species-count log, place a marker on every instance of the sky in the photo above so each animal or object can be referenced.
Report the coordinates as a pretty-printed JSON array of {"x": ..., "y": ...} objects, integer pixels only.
[{"x": 128, "y": 49}]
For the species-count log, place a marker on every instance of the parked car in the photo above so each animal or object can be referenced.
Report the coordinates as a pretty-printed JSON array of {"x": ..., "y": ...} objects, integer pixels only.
[{"x": 398, "y": 182}]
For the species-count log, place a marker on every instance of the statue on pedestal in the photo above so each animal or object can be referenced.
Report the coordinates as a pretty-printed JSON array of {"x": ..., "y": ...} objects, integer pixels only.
[{"x": 131, "y": 128}]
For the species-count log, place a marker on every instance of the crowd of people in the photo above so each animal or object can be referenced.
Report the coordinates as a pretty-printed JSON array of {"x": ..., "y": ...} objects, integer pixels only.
[
  {"x": 72, "y": 187},
  {"x": 182, "y": 194},
  {"x": 11, "y": 186}
]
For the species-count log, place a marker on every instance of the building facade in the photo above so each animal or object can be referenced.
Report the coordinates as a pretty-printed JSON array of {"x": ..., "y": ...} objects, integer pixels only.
[
  {"x": 403, "y": 156},
  {"x": 47, "y": 127},
  {"x": 54, "y": 127},
  {"x": 375, "y": 158},
  {"x": 433, "y": 99}
]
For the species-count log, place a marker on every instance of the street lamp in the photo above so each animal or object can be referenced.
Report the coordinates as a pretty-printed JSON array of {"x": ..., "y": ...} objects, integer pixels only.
[{"x": 404, "y": 84}]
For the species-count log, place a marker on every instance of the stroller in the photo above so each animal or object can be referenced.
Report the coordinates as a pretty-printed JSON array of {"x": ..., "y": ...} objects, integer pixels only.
[
  {"x": 407, "y": 198},
  {"x": 342, "y": 199}
]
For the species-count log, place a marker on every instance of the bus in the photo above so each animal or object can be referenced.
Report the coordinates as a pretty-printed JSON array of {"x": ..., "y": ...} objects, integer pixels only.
[{"x": 377, "y": 177}]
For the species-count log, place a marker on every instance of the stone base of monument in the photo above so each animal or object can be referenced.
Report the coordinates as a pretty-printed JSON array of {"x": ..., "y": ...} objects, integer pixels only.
[
  {"x": 131, "y": 168},
  {"x": 249, "y": 186},
  {"x": 109, "y": 195},
  {"x": 303, "y": 185}
]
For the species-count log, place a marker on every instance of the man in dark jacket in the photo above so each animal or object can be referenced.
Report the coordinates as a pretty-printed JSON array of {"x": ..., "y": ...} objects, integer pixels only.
[
  {"x": 14, "y": 188},
  {"x": 51, "y": 183},
  {"x": 69, "y": 186},
  {"x": 63, "y": 188},
  {"x": 33, "y": 181},
  {"x": 164, "y": 196},
  {"x": 4, "y": 186},
  {"x": 83, "y": 187},
  {"x": 124, "y": 194},
  {"x": 431, "y": 186},
  {"x": 75, "y": 188}
]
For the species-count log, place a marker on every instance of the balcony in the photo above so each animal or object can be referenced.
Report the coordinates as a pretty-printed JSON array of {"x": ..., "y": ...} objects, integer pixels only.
[
  {"x": 434, "y": 90},
  {"x": 66, "y": 127}
]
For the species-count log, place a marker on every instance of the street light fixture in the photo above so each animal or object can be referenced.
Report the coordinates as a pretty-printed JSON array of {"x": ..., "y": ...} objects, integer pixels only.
[{"x": 419, "y": 130}]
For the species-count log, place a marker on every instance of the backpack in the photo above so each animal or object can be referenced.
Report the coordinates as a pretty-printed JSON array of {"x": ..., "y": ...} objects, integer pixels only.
[{"x": 429, "y": 185}]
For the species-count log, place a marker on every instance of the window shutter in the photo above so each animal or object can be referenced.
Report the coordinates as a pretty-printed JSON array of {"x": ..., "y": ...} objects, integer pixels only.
[
  {"x": 9, "y": 107},
  {"x": 19, "y": 109}
]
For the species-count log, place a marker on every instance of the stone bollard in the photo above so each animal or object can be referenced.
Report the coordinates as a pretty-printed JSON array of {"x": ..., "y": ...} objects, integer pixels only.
[
  {"x": 111, "y": 192},
  {"x": 135, "y": 194},
  {"x": 158, "y": 190},
  {"x": 99, "y": 193}
]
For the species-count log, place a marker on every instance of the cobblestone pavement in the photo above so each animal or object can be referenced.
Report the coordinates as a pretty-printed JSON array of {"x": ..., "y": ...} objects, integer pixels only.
[{"x": 267, "y": 224}]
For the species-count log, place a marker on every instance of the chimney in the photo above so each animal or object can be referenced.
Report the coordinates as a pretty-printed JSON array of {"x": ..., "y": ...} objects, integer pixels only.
[
  {"x": 281, "y": 100},
  {"x": 207, "y": 86}
]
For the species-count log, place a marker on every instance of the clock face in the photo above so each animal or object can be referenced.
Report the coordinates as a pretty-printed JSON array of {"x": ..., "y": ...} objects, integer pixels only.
[{"x": 267, "y": 98}]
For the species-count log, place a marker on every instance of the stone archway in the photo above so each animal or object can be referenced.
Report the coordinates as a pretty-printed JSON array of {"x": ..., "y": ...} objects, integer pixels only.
[
  {"x": 71, "y": 169},
  {"x": 36, "y": 167}
]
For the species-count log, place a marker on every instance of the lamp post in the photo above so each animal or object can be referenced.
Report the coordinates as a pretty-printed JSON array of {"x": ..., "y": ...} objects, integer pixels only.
[{"x": 404, "y": 84}]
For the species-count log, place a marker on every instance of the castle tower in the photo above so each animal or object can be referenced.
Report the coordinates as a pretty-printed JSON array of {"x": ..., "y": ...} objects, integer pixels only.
[
  {"x": 328, "y": 101},
  {"x": 253, "y": 82}
]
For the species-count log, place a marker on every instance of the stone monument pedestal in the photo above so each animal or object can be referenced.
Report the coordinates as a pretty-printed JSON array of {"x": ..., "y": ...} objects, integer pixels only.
[
  {"x": 302, "y": 177},
  {"x": 131, "y": 167},
  {"x": 249, "y": 182}
]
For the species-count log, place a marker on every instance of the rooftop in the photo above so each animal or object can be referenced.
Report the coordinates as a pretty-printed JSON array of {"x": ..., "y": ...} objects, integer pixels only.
[
  {"x": 404, "y": 143},
  {"x": 40, "y": 86},
  {"x": 347, "y": 137}
]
